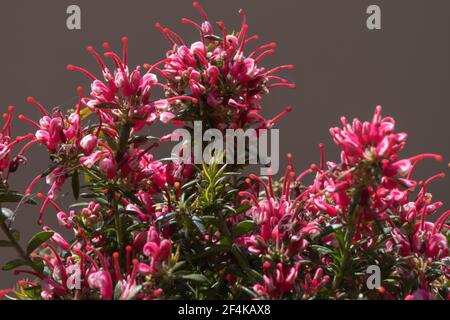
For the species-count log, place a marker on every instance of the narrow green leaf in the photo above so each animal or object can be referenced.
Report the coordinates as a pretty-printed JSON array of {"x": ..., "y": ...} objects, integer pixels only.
[
  {"x": 321, "y": 249},
  {"x": 76, "y": 185},
  {"x": 37, "y": 240},
  {"x": 15, "y": 234},
  {"x": 13, "y": 264},
  {"x": 5, "y": 243},
  {"x": 243, "y": 208}
]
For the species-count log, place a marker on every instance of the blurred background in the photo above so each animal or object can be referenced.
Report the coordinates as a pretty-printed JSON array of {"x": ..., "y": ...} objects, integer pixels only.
[{"x": 342, "y": 68}]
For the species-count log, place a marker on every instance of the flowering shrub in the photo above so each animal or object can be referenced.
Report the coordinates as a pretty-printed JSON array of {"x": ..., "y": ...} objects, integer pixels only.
[{"x": 168, "y": 229}]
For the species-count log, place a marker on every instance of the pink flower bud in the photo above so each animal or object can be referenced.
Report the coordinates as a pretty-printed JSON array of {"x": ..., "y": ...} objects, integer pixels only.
[
  {"x": 88, "y": 143},
  {"x": 108, "y": 167}
]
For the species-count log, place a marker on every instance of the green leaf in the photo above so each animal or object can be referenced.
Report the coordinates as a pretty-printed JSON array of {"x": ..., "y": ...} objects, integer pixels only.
[
  {"x": 50, "y": 170},
  {"x": 196, "y": 278},
  {"x": 37, "y": 240},
  {"x": 15, "y": 234},
  {"x": 327, "y": 230},
  {"x": 213, "y": 37},
  {"x": 243, "y": 208},
  {"x": 179, "y": 265},
  {"x": 5, "y": 243},
  {"x": 6, "y": 214},
  {"x": 10, "y": 197},
  {"x": 76, "y": 184},
  {"x": 243, "y": 227},
  {"x": 13, "y": 264},
  {"x": 107, "y": 105}
]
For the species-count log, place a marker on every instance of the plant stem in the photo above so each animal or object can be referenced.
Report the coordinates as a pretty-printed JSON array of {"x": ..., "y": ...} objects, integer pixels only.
[{"x": 16, "y": 245}]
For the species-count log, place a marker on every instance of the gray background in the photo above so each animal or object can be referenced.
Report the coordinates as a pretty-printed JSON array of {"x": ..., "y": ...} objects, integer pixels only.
[{"x": 342, "y": 68}]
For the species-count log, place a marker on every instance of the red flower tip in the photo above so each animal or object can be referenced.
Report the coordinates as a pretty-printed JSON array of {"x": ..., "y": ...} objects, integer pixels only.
[
  {"x": 253, "y": 176},
  {"x": 70, "y": 67},
  {"x": 21, "y": 117},
  {"x": 106, "y": 46},
  {"x": 115, "y": 255},
  {"x": 31, "y": 100},
  {"x": 90, "y": 48},
  {"x": 10, "y": 108},
  {"x": 80, "y": 90},
  {"x": 314, "y": 167},
  {"x": 288, "y": 109},
  {"x": 135, "y": 262},
  {"x": 40, "y": 196},
  {"x": 129, "y": 248},
  {"x": 124, "y": 40}
]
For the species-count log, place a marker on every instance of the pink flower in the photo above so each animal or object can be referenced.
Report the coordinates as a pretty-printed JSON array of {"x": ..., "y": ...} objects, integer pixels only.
[{"x": 101, "y": 280}]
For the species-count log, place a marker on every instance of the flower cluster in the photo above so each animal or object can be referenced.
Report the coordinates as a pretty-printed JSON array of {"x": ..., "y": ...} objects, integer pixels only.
[
  {"x": 364, "y": 208},
  {"x": 227, "y": 82},
  {"x": 146, "y": 228}
]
